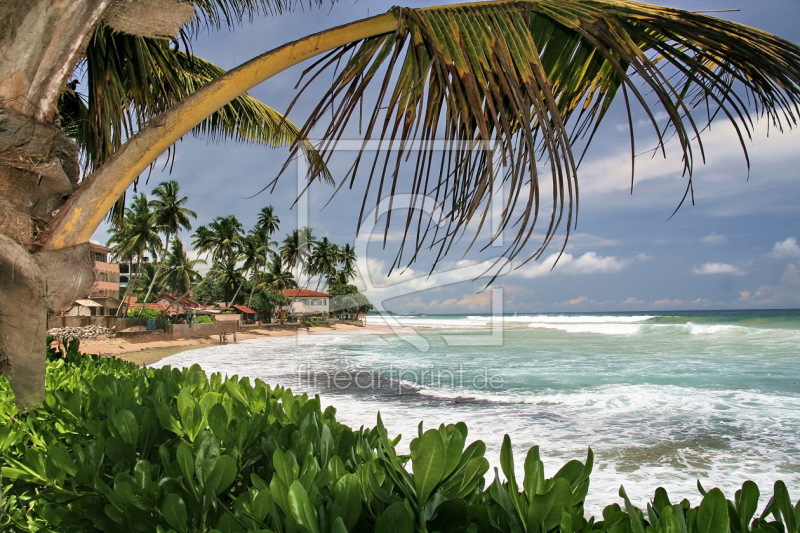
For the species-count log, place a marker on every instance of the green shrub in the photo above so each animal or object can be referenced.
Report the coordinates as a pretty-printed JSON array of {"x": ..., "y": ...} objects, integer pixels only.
[
  {"x": 143, "y": 313},
  {"x": 120, "y": 448},
  {"x": 202, "y": 319}
]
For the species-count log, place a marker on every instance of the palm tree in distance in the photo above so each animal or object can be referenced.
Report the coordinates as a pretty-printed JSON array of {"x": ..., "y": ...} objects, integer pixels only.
[
  {"x": 276, "y": 278},
  {"x": 169, "y": 215},
  {"x": 135, "y": 237},
  {"x": 180, "y": 274},
  {"x": 268, "y": 221},
  {"x": 347, "y": 261},
  {"x": 296, "y": 250},
  {"x": 323, "y": 260},
  {"x": 221, "y": 239},
  {"x": 266, "y": 226},
  {"x": 254, "y": 250}
]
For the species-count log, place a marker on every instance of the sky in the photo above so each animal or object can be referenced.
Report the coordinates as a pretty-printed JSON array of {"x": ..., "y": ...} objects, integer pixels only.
[{"x": 737, "y": 247}]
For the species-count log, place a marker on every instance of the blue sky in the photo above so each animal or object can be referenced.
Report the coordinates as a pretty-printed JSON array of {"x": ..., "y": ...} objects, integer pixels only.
[{"x": 737, "y": 247}]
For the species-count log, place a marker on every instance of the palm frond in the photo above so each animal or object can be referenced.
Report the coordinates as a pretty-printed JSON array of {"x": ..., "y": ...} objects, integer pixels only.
[
  {"x": 507, "y": 88},
  {"x": 231, "y": 13},
  {"x": 132, "y": 79}
]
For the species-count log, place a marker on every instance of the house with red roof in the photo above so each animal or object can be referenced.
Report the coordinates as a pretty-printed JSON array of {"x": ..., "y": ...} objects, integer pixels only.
[
  {"x": 306, "y": 302},
  {"x": 175, "y": 304},
  {"x": 247, "y": 315}
]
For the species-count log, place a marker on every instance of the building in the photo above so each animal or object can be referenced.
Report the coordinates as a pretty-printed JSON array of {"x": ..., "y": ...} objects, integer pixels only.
[
  {"x": 248, "y": 316},
  {"x": 306, "y": 302},
  {"x": 175, "y": 305},
  {"x": 103, "y": 296}
]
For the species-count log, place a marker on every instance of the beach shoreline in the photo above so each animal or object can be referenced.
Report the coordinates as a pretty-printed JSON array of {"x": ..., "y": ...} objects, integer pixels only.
[{"x": 147, "y": 353}]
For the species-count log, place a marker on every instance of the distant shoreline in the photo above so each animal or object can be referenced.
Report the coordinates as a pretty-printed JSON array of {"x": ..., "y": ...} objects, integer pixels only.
[{"x": 147, "y": 353}]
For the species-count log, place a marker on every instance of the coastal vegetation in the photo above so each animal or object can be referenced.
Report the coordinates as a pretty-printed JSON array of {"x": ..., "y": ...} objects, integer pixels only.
[
  {"x": 245, "y": 268},
  {"x": 115, "y": 447}
]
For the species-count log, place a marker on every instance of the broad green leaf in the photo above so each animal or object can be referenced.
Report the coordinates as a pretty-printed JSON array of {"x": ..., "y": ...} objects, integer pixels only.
[
  {"x": 185, "y": 458},
  {"x": 747, "y": 503},
  {"x": 547, "y": 509},
  {"x": 126, "y": 426},
  {"x": 397, "y": 518},
  {"x": 173, "y": 509},
  {"x": 302, "y": 510},
  {"x": 428, "y": 464},
  {"x": 222, "y": 475},
  {"x": 712, "y": 515},
  {"x": 534, "y": 474},
  {"x": 671, "y": 521},
  {"x": 635, "y": 515},
  {"x": 347, "y": 500},
  {"x": 58, "y": 455},
  {"x": 784, "y": 505},
  {"x": 507, "y": 464}
]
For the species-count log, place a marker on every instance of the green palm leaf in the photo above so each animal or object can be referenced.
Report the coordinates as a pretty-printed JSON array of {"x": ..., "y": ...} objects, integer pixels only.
[{"x": 525, "y": 84}]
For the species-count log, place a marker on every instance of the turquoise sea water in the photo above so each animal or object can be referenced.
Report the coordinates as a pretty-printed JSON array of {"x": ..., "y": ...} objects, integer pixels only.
[{"x": 662, "y": 398}]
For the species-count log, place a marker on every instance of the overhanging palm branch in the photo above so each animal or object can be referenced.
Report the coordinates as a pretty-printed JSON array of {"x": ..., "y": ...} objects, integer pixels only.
[
  {"x": 132, "y": 79},
  {"x": 523, "y": 82}
]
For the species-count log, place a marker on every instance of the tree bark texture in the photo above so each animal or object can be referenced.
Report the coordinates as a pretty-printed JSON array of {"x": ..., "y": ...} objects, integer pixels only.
[{"x": 38, "y": 172}]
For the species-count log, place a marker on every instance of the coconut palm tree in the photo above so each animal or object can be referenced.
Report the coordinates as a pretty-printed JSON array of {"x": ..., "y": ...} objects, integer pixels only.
[
  {"x": 268, "y": 221},
  {"x": 276, "y": 278},
  {"x": 267, "y": 224},
  {"x": 296, "y": 250},
  {"x": 180, "y": 274},
  {"x": 347, "y": 262},
  {"x": 169, "y": 215},
  {"x": 530, "y": 80},
  {"x": 221, "y": 239},
  {"x": 135, "y": 237},
  {"x": 323, "y": 260}
]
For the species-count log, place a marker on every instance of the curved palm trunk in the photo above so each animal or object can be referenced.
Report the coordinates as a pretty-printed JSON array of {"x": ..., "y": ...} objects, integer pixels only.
[{"x": 85, "y": 210}]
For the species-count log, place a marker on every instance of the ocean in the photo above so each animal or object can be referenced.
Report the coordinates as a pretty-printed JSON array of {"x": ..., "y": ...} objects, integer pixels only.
[{"x": 664, "y": 399}]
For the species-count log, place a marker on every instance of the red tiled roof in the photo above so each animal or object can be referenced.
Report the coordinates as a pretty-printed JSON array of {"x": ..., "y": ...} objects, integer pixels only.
[
  {"x": 244, "y": 309},
  {"x": 304, "y": 293},
  {"x": 96, "y": 247},
  {"x": 183, "y": 302}
]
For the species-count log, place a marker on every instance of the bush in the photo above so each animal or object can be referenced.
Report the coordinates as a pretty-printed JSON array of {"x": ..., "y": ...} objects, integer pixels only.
[
  {"x": 143, "y": 313},
  {"x": 120, "y": 448},
  {"x": 202, "y": 319}
]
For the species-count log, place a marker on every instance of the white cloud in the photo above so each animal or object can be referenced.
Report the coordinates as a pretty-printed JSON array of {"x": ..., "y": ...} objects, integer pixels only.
[
  {"x": 714, "y": 238},
  {"x": 785, "y": 294},
  {"x": 787, "y": 248},
  {"x": 718, "y": 268},
  {"x": 588, "y": 263}
]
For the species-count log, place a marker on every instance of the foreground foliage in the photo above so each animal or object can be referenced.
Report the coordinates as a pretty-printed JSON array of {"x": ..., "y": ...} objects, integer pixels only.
[{"x": 119, "y": 448}]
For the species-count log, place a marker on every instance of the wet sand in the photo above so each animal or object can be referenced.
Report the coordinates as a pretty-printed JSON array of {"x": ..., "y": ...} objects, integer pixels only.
[{"x": 145, "y": 353}]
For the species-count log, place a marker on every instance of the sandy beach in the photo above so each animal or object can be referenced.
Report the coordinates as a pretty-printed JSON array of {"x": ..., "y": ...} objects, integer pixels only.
[{"x": 145, "y": 353}]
